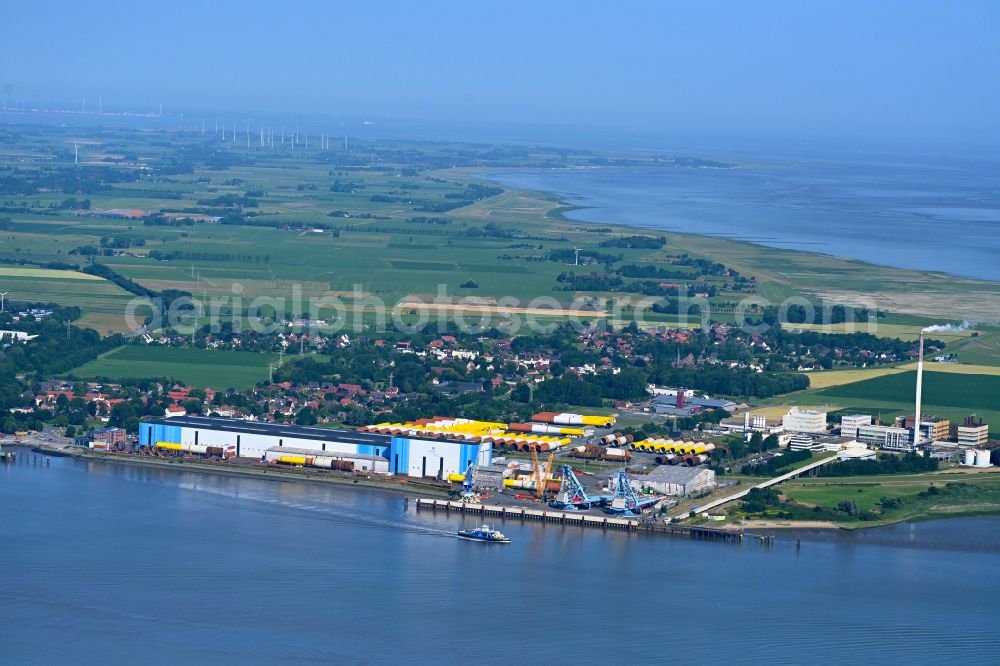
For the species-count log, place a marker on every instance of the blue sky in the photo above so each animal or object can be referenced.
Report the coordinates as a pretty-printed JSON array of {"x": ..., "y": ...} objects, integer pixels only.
[{"x": 909, "y": 71}]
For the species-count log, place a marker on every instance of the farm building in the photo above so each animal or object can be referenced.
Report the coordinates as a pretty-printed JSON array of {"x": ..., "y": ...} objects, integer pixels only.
[
  {"x": 412, "y": 456},
  {"x": 676, "y": 480}
]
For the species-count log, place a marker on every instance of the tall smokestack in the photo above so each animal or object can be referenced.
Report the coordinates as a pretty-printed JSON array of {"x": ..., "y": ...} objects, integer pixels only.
[{"x": 920, "y": 386}]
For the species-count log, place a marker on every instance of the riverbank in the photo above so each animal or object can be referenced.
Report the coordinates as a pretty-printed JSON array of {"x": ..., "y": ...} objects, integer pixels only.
[
  {"x": 289, "y": 475},
  {"x": 785, "y": 524}
]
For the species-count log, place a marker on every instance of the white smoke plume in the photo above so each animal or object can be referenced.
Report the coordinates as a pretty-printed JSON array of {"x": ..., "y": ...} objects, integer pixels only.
[{"x": 950, "y": 328}]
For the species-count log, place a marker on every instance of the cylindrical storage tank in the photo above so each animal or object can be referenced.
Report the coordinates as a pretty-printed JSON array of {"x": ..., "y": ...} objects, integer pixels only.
[
  {"x": 970, "y": 457},
  {"x": 982, "y": 458}
]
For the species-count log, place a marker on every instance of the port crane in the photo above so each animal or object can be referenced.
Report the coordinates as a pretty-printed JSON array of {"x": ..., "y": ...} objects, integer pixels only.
[
  {"x": 541, "y": 474},
  {"x": 573, "y": 496},
  {"x": 469, "y": 495},
  {"x": 624, "y": 501}
]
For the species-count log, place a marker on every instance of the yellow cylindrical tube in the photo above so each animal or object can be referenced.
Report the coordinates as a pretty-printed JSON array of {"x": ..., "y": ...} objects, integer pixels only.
[{"x": 170, "y": 446}]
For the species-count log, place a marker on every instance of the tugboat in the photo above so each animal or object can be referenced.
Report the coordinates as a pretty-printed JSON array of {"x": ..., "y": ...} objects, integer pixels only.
[{"x": 484, "y": 533}]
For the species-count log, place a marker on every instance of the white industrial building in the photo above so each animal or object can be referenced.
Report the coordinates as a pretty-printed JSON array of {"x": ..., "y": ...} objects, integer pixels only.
[
  {"x": 850, "y": 423},
  {"x": 412, "y": 456},
  {"x": 675, "y": 480},
  {"x": 19, "y": 336},
  {"x": 856, "y": 453},
  {"x": 973, "y": 435},
  {"x": 885, "y": 437},
  {"x": 804, "y": 420}
]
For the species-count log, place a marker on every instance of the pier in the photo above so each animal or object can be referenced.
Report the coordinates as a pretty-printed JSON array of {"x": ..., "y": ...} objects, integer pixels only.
[{"x": 644, "y": 525}]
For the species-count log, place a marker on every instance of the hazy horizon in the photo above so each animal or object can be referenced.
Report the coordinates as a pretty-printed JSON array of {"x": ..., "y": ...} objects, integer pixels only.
[{"x": 913, "y": 74}]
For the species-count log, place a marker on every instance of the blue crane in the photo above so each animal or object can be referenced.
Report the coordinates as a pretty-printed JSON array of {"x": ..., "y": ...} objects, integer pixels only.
[
  {"x": 572, "y": 496},
  {"x": 624, "y": 501}
]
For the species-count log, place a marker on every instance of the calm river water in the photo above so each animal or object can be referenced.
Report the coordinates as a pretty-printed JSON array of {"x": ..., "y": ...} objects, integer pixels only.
[{"x": 103, "y": 563}]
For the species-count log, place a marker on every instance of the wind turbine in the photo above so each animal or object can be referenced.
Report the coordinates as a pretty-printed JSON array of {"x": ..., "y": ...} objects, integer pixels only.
[
  {"x": 576, "y": 261},
  {"x": 3, "y": 294}
]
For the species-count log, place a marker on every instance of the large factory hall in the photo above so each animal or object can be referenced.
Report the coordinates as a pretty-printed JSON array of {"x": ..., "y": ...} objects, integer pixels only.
[{"x": 410, "y": 455}]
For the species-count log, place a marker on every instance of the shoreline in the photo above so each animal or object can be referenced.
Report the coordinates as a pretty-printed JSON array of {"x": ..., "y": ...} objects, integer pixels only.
[
  {"x": 408, "y": 489},
  {"x": 291, "y": 475},
  {"x": 563, "y": 208}
]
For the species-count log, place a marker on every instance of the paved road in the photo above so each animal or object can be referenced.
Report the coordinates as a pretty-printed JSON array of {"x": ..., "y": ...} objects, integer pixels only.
[{"x": 765, "y": 484}]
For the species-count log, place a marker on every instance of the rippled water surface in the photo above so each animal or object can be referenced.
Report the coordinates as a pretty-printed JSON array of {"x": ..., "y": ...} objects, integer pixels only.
[{"x": 104, "y": 563}]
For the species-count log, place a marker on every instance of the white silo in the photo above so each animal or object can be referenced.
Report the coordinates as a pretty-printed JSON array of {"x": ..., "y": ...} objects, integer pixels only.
[
  {"x": 982, "y": 458},
  {"x": 970, "y": 457}
]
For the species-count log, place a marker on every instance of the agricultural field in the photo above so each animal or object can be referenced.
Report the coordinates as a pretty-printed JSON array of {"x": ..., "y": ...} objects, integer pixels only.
[
  {"x": 881, "y": 329},
  {"x": 202, "y": 368},
  {"x": 103, "y": 302},
  {"x": 982, "y": 349},
  {"x": 385, "y": 220},
  {"x": 940, "y": 389},
  {"x": 948, "y": 394},
  {"x": 970, "y": 492},
  {"x": 831, "y": 378}
]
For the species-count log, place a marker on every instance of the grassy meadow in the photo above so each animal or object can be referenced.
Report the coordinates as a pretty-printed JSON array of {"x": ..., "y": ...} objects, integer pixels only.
[
  {"x": 194, "y": 367},
  {"x": 961, "y": 493}
]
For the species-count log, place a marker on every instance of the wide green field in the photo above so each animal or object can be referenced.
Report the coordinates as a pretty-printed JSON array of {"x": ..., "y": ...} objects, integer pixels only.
[
  {"x": 940, "y": 388},
  {"x": 946, "y": 394},
  {"x": 200, "y": 368},
  {"x": 102, "y": 302},
  {"x": 978, "y": 492},
  {"x": 398, "y": 234}
]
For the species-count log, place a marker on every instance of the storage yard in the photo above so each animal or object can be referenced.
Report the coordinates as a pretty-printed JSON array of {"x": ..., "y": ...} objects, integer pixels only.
[{"x": 549, "y": 461}]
